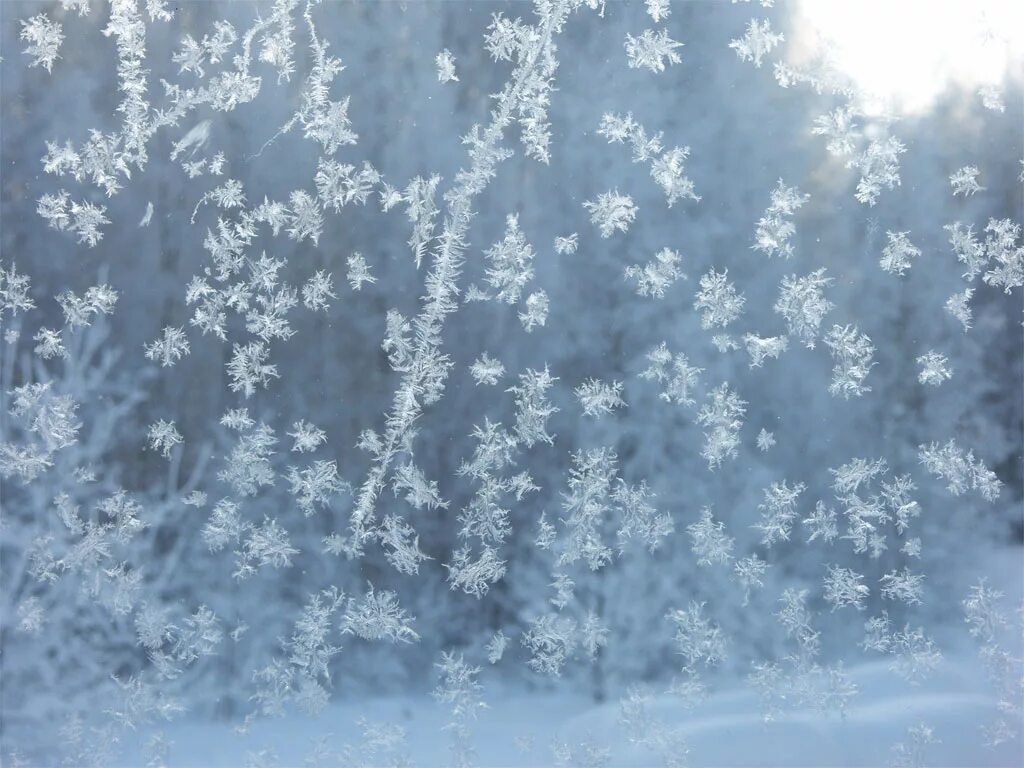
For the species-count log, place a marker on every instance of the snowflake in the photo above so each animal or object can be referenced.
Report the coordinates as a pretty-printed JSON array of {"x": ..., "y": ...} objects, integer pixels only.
[
  {"x": 761, "y": 348},
  {"x": 749, "y": 574},
  {"x": 718, "y": 300},
  {"x": 778, "y": 511},
  {"x": 598, "y": 397},
  {"x": 307, "y": 437},
  {"x": 843, "y": 587},
  {"x": 658, "y": 10},
  {"x": 669, "y": 173},
  {"x": 675, "y": 374},
  {"x": 44, "y": 38},
  {"x": 722, "y": 416},
  {"x": 822, "y": 523},
  {"x": 49, "y": 344},
  {"x": 536, "y": 312},
  {"x": 170, "y": 348},
  {"x": 14, "y": 292},
  {"x": 315, "y": 485},
  {"x": 1001, "y": 247},
  {"x": 195, "y": 499},
  {"x": 486, "y": 370},
  {"x": 446, "y": 67},
  {"x": 902, "y": 585},
  {"x": 841, "y": 131},
  {"x": 710, "y": 543},
  {"x": 157, "y": 10},
  {"x": 163, "y": 436},
  {"x": 317, "y": 291},
  {"x": 852, "y": 353},
  {"x": 378, "y": 616},
  {"x": 248, "y": 369},
  {"x": 237, "y": 418},
  {"x": 758, "y": 41},
  {"x": 419, "y": 491},
  {"x": 358, "y": 272},
  {"x": 992, "y": 97},
  {"x": 655, "y": 277},
  {"x": 934, "y": 368},
  {"x": 959, "y": 306},
  {"x": 496, "y": 647},
  {"x": 567, "y": 244},
  {"x": 774, "y": 229},
  {"x": 611, "y": 211},
  {"x": 965, "y": 181},
  {"x": 899, "y": 254},
  {"x": 765, "y": 440},
  {"x": 266, "y": 545},
  {"x": 667, "y": 167},
  {"x": 879, "y": 168},
  {"x": 961, "y": 470},
  {"x": 651, "y": 50},
  {"x": 31, "y": 616},
  {"x": 698, "y": 640},
  {"x": 511, "y": 263}
]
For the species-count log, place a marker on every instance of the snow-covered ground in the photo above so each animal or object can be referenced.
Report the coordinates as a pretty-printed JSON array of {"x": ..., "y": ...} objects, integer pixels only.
[{"x": 519, "y": 729}]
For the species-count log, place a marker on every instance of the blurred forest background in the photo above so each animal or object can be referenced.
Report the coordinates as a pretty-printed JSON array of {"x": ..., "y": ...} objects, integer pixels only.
[{"x": 745, "y": 132}]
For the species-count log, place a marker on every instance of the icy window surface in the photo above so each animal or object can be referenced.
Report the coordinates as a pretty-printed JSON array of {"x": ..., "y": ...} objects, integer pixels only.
[{"x": 563, "y": 382}]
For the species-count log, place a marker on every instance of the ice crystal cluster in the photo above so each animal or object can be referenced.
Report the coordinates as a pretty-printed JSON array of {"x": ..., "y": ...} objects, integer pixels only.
[{"x": 402, "y": 365}]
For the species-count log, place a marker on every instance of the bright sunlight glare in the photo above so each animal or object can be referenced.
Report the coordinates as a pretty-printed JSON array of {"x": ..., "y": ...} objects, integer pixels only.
[{"x": 906, "y": 52}]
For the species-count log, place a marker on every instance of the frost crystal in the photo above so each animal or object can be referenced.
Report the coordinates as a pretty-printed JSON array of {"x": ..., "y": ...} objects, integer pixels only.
[
  {"x": 44, "y": 38},
  {"x": 511, "y": 263},
  {"x": 959, "y": 306},
  {"x": 49, "y": 344},
  {"x": 898, "y": 255},
  {"x": 699, "y": 641},
  {"x": 992, "y": 98},
  {"x": 598, "y": 397},
  {"x": 565, "y": 245},
  {"x": 934, "y": 368},
  {"x": 378, "y": 616},
  {"x": 841, "y": 131},
  {"x": 307, "y": 437},
  {"x": 675, "y": 374},
  {"x": 721, "y": 416},
  {"x": 778, "y": 512},
  {"x": 710, "y": 543},
  {"x": 775, "y": 229},
  {"x": 965, "y": 181},
  {"x": 658, "y": 10},
  {"x": 655, "y": 277},
  {"x": 758, "y": 42},
  {"x": 759, "y": 349},
  {"x": 248, "y": 369},
  {"x": 852, "y": 353},
  {"x": 879, "y": 168},
  {"x": 611, "y": 211},
  {"x": 170, "y": 348},
  {"x": 843, "y": 587},
  {"x": 667, "y": 167},
  {"x": 446, "y": 67},
  {"x": 163, "y": 436},
  {"x": 358, "y": 272},
  {"x": 486, "y": 370},
  {"x": 961, "y": 470},
  {"x": 717, "y": 300},
  {"x": 651, "y": 50},
  {"x": 536, "y": 311},
  {"x": 14, "y": 292}
]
